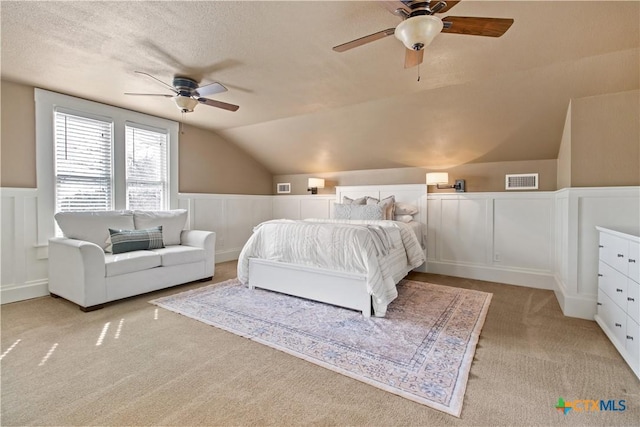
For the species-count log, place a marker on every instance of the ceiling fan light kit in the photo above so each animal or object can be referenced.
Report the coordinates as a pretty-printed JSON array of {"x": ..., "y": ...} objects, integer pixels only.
[
  {"x": 419, "y": 27},
  {"x": 418, "y": 32},
  {"x": 186, "y": 104}
]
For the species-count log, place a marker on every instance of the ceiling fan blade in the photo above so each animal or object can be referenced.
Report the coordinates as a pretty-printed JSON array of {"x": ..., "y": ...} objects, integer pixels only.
[
  {"x": 449, "y": 5},
  {"x": 151, "y": 94},
  {"x": 173, "y": 89},
  {"x": 413, "y": 57},
  {"x": 490, "y": 27},
  {"x": 211, "y": 89},
  {"x": 219, "y": 104},
  {"x": 364, "y": 40}
]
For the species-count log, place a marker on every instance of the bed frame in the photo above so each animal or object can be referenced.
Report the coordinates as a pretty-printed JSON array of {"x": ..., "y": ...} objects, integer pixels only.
[{"x": 339, "y": 288}]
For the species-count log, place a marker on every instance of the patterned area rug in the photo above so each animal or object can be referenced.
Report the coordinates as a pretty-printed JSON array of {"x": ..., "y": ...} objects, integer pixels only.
[{"x": 422, "y": 350}]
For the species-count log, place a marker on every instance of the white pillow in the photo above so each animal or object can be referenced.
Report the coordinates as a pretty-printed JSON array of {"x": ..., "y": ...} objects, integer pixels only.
[
  {"x": 172, "y": 223},
  {"x": 406, "y": 209},
  {"x": 403, "y": 218},
  {"x": 387, "y": 205},
  {"x": 93, "y": 226},
  {"x": 342, "y": 211},
  {"x": 349, "y": 201}
]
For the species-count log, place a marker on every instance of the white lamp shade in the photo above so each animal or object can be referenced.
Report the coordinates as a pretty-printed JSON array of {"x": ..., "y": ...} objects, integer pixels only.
[
  {"x": 418, "y": 30},
  {"x": 185, "y": 102},
  {"x": 316, "y": 183},
  {"x": 435, "y": 178}
]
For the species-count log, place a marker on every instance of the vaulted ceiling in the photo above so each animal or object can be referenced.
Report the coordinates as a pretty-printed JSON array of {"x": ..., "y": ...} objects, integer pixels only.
[{"x": 305, "y": 108}]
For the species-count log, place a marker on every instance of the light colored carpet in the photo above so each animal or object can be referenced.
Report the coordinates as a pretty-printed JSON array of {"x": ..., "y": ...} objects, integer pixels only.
[
  {"x": 421, "y": 350},
  {"x": 164, "y": 369}
]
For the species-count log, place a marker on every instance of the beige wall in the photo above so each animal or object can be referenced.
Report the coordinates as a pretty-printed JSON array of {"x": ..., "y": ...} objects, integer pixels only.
[
  {"x": 210, "y": 164},
  {"x": 564, "y": 154},
  {"x": 207, "y": 163},
  {"x": 478, "y": 176},
  {"x": 18, "y": 143},
  {"x": 605, "y": 140}
]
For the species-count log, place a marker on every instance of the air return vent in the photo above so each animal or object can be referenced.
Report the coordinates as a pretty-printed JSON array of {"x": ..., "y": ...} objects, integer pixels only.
[{"x": 521, "y": 181}]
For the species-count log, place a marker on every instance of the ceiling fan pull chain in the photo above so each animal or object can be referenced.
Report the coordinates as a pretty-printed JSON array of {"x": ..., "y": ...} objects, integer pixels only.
[
  {"x": 182, "y": 123},
  {"x": 418, "y": 72}
]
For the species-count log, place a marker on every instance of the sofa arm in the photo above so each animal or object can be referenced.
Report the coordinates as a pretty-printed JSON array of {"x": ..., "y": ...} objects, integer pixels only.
[
  {"x": 77, "y": 271},
  {"x": 205, "y": 240}
]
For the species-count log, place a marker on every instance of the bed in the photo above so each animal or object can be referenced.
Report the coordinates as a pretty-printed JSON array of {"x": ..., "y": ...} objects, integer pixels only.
[{"x": 366, "y": 259}]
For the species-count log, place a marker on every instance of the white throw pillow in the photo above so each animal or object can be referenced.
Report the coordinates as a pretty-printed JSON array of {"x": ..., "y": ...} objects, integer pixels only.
[
  {"x": 405, "y": 209},
  {"x": 349, "y": 201},
  {"x": 342, "y": 211},
  {"x": 403, "y": 218},
  {"x": 172, "y": 223},
  {"x": 93, "y": 226}
]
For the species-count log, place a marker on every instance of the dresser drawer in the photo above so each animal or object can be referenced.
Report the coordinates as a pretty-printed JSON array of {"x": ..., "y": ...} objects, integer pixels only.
[
  {"x": 615, "y": 251},
  {"x": 613, "y": 317},
  {"x": 633, "y": 300},
  {"x": 632, "y": 344},
  {"x": 613, "y": 283},
  {"x": 634, "y": 261}
]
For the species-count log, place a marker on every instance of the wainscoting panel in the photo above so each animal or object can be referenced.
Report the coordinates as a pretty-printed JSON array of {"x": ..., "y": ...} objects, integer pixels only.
[
  {"x": 23, "y": 261},
  {"x": 501, "y": 237},
  {"x": 301, "y": 207}
]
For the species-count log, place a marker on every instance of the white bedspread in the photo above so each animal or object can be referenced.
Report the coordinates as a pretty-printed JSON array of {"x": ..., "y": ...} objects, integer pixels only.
[{"x": 383, "y": 251}]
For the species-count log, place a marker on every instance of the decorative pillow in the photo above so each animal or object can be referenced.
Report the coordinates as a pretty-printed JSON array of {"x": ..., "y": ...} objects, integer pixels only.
[
  {"x": 349, "y": 201},
  {"x": 342, "y": 211},
  {"x": 405, "y": 209},
  {"x": 93, "y": 226},
  {"x": 403, "y": 218},
  {"x": 387, "y": 205},
  {"x": 172, "y": 223},
  {"x": 135, "y": 240}
]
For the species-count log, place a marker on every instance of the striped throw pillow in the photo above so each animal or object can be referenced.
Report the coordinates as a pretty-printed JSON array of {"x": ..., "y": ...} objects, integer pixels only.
[{"x": 135, "y": 240}]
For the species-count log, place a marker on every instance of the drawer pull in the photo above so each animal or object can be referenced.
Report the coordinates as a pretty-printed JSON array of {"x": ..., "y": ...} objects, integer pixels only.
[
  {"x": 599, "y": 303},
  {"x": 629, "y": 337},
  {"x": 600, "y": 246},
  {"x": 618, "y": 290},
  {"x": 600, "y": 275},
  {"x": 620, "y": 256},
  {"x": 630, "y": 299},
  {"x": 632, "y": 260},
  {"x": 619, "y": 325}
]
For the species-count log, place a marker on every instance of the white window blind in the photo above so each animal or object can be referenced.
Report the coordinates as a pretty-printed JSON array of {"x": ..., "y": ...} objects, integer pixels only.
[
  {"x": 83, "y": 163},
  {"x": 147, "y": 170}
]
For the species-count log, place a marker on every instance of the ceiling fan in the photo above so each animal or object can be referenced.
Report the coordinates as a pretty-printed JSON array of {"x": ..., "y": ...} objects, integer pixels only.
[
  {"x": 187, "y": 93},
  {"x": 419, "y": 27}
]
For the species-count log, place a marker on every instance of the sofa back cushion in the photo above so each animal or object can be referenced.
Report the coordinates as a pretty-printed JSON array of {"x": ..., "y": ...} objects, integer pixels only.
[
  {"x": 172, "y": 223},
  {"x": 93, "y": 226}
]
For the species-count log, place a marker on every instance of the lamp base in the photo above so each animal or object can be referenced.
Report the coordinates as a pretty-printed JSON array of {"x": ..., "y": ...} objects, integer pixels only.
[{"x": 314, "y": 190}]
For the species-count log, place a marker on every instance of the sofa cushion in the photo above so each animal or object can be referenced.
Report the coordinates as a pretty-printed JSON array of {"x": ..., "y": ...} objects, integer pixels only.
[
  {"x": 172, "y": 223},
  {"x": 93, "y": 226},
  {"x": 135, "y": 240},
  {"x": 176, "y": 255},
  {"x": 130, "y": 262}
]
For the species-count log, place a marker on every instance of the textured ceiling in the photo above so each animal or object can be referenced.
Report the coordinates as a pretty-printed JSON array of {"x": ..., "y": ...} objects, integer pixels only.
[{"x": 305, "y": 108}]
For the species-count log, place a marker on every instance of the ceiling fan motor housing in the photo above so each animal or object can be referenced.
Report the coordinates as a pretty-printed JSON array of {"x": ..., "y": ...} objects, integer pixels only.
[{"x": 184, "y": 85}]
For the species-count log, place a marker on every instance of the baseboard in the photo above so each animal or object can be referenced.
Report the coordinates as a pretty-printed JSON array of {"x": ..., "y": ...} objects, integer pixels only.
[
  {"x": 582, "y": 307},
  {"x": 530, "y": 279},
  {"x": 34, "y": 289},
  {"x": 228, "y": 255}
]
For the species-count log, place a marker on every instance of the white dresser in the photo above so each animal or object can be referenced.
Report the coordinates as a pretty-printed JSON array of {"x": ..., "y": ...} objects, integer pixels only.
[{"x": 619, "y": 292}]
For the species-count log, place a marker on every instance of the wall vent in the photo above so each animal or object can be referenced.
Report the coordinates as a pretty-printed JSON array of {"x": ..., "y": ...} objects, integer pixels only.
[{"x": 521, "y": 181}]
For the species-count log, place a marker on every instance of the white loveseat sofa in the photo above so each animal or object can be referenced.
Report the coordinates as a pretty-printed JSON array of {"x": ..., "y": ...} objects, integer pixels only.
[{"x": 84, "y": 269}]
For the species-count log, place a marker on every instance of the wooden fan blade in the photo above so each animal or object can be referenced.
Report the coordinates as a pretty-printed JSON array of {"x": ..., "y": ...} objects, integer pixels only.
[
  {"x": 449, "y": 5},
  {"x": 151, "y": 94},
  {"x": 211, "y": 89},
  {"x": 173, "y": 89},
  {"x": 490, "y": 27},
  {"x": 413, "y": 58},
  {"x": 219, "y": 104},
  {"x": 364, "y": 40}
]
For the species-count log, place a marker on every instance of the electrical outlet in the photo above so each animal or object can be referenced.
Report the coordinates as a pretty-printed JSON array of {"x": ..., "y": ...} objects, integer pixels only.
[{"x": 496, "y": 257}]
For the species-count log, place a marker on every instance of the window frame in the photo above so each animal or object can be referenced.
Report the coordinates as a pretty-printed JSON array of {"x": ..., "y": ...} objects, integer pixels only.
[{"x": 46, "y": 103}]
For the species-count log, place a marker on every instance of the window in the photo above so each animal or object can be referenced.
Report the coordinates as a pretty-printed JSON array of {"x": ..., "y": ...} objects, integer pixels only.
[
  {"x": 91, "y": 156},
  {"x": 147, "y": 180},
  {"x": 83, "y": 163}
]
